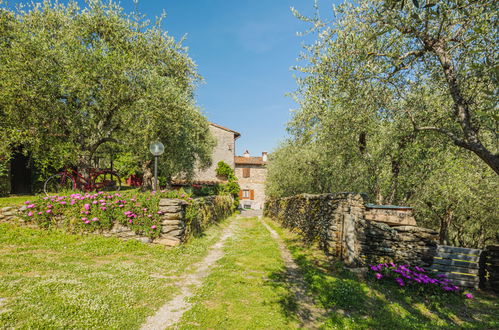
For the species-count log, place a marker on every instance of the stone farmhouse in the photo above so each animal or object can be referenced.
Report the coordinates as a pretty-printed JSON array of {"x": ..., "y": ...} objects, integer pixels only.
[
  {"x": 224, "y": 151},
  {"x": 251, "y": 172}
]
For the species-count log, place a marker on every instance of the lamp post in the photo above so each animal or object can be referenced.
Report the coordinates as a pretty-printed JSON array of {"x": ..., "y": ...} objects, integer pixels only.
[{"x": 156, "y": 148}]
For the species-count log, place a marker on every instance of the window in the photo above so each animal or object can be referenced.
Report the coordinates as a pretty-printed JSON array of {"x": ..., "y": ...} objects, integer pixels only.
[
  {"x": 246, "y": 206},
  {"x": 246, "y": 193},
  {"x": 246, "y": 172}
]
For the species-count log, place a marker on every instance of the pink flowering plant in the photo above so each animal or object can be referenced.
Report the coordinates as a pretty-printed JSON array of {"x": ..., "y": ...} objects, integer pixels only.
[
  {"x": 91, "y": 212},
  {"x": 415, "y": 278}
]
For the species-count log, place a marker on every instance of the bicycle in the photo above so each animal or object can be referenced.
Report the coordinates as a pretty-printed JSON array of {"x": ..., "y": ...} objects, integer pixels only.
[{"x": 70, "y": 179}]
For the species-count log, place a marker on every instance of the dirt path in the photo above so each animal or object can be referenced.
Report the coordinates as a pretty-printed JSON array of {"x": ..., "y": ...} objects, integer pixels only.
[
  {"x": 308, "y": 313},
  {"x": 172, "y": 311}
]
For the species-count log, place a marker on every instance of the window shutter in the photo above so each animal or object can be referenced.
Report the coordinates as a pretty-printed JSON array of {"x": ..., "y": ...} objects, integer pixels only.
[
  {"x": 246, "y": 172},
  {"x": 240, "y": 194},
  {"x": 252, "y": 194}
]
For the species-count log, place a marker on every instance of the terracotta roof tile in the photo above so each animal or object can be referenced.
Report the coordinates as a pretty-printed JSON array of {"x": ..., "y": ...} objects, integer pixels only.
[{"x": 249, "y": 160}]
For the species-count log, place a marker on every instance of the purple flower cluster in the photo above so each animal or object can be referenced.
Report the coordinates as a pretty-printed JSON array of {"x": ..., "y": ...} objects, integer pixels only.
[
  {"x": 95, "y": 211},
  {"x": 405, "y": 275}
]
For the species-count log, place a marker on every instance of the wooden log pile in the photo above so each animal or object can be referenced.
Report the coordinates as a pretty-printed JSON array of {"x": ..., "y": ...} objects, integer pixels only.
[{"x": 461, "y": 265}]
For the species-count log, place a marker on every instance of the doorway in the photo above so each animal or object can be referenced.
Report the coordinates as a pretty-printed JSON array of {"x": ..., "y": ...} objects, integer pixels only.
[{"x": 20, "y": 174}]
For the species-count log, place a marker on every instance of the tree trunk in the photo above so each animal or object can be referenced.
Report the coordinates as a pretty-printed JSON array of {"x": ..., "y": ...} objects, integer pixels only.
[
  {"x": 444, "y": 226},
  {"x": 463, "y": 114},
  {"x": 147, "y": 176},
  {"x": 84, "y": 164}
]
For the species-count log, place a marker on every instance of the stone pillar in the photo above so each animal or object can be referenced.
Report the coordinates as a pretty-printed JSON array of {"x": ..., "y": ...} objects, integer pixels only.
[{"x": 172, "y": 221}]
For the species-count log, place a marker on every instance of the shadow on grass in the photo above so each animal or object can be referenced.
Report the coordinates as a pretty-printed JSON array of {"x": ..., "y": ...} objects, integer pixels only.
[{"x": 357, "y": 303}]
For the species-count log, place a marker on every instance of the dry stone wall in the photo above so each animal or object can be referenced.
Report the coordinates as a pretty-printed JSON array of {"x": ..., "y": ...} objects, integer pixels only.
[
  {"x": 338, "y": 222},
  {"x": 180, "y": 219}
]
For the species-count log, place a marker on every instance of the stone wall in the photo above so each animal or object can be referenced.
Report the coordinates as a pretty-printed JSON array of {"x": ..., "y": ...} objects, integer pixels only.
[
  {"x": 338, "y": 223},
  {"x": 224, "y": 150},
  {"x": 180, "y": 219}
]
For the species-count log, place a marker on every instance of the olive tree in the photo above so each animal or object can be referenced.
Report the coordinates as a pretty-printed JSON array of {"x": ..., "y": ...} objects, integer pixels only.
[
  {"x": 73, "y": 79},
  {"x": 379, "y": 112}
]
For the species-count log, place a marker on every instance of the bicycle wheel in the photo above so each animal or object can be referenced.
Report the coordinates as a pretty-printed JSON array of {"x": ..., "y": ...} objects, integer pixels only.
[
  {"x": 59, "y": 183},
  {"x": 107, "y": 181}
]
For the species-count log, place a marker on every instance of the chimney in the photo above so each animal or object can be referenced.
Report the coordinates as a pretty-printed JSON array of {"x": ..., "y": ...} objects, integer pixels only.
[
  {"x": 246, "y": 154},
  {"x": 264, "y": 156}
]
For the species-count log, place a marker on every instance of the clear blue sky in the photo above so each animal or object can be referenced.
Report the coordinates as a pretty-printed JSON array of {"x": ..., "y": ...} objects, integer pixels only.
[{"x": 244, "y": 50}]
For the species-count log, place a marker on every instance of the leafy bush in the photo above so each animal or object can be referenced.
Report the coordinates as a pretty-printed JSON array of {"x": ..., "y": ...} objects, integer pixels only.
[
  {"x": 204, "y": 190},
  {"x": 231, "y": 187},
  {"x": 204, "y": 211}
]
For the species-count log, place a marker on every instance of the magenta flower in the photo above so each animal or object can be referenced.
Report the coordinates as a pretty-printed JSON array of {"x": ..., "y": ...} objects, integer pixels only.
[
  {"x": 95, "y": 219},
  {"x": 149, "y": 215},
  {"x": 27, "y": 202},
  {"x": 131, "y": 221},
  {"x": 87, "y": 206},
  {"x": 30, "y": 206},
  {"x": 400, "y": 281},
  {"x": 103, "y": 208},
  {"x": 95, "y": 202},
  {"x": 87, "y": 222},
  {"x": 379, "y": 276},
  {"x": 153, "y": 226},
  {"x": 84, "y": 219},
  {"x": 49, "y": 211},
  {"x": 159, "y": 212},
  {"x": 30, "y": 214},
  {"x": 469, "y": 296},
  {"x": 40, "y": 213},
  {"x": 62, "y": 203},
  {"x": 49, "y": 206}
]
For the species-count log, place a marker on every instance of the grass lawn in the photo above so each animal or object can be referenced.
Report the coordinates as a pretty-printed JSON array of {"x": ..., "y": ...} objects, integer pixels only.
[
  {"x": 50, "y": 279},
  {"x": 242, "y": 291},
  {"x": 356, "y": 304},
  {"x": 14, "y": 200}
]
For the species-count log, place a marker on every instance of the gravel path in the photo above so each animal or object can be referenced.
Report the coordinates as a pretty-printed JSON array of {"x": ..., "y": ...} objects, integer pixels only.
[
  {"x": 308, "y": 313},
  {"x": 172, "y": 311}
]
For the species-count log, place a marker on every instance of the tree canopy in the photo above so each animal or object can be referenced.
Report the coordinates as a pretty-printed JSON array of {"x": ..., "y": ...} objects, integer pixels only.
[
  {"x": 75, "y": 79},
  {"x": 400, "y": 101}
]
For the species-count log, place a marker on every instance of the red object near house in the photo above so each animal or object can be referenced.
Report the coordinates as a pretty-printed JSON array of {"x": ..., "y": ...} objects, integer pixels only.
[{"x": 134, "y": 181}]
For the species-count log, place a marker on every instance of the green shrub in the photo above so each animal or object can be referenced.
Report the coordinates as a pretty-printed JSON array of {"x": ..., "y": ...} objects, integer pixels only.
[
  {"x": 204, "y": 211},
  {"x": 231, "y": 187}
]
